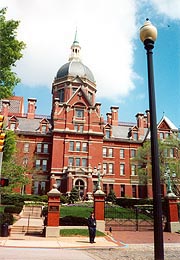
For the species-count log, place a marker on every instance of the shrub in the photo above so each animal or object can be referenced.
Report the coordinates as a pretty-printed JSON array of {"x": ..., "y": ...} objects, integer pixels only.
[
  {"x": 6, "y": 218},
  {"x": 73, "y": 221},
  {"x": 12, "y": 209}
]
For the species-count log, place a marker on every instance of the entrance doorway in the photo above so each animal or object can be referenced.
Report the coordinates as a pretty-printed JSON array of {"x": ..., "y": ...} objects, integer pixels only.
[{"x": 79, "y": 184}]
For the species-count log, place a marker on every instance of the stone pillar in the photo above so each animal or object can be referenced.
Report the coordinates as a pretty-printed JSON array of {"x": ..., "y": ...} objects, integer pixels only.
[
  {"x": 52, "y": 228},
  {"x": 173, "y": 224},
  {"x": 99, "y": 205}
]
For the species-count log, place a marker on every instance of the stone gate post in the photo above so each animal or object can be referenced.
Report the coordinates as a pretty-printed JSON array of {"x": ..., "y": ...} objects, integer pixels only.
[
  {"x": 173, "y": 224},
  {"x": 99, "y": 204},
  {"x": 52, "y": 228}
]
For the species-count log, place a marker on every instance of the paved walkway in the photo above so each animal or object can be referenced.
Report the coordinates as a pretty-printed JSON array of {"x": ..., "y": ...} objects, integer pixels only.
[{"x": 114, "y": 239}]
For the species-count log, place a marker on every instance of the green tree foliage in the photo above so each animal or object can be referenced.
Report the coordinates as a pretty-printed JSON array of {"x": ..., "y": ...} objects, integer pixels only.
[
  {"x": 11, "y": 166},
  {"x": 111, "y": 197},
  {"x": 10, "y": 52},
  {"x": 169, "y": 156},
  {"x": 74, "y": 195}
]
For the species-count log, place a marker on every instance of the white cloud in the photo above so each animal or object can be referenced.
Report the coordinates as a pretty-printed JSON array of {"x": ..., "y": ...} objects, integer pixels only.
[
  {"x": 106, "y": 30},
  {"x": 171, "y": 8}
]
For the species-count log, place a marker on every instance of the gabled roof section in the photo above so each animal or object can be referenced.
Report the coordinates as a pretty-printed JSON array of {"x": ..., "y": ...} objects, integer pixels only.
[
  {"x": 79, "y": 96},
  {"x": 13, "y": 118},
  {"x": 165, "y": 123},
  {"x": 44, "y": 121}
]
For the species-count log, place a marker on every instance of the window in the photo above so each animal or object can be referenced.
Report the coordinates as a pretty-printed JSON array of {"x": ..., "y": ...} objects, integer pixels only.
[
  {"x": 44, "y": 165},
  {"x": 104, "y": 168},
  {"x": 90, "y": 95},
  {"x": 110, "y": 152},
  {"x": 84, "y": 162},
  {"x": 104, "y": 152},
  {"x": 133, "y": 169},
  {"x": 133, "y": 153},
  {"x": 79, "y": 113},
  {"x": 74, "y": 90},
  {"x": 111, "y": 168},
  {"x": 84, "y": 147},
  {"x": 161, "y": 135},
  {"x": 38, "y": 164},
  {"x": 71, "y": 161},
  {"x": 77, "y": 161},
  {"x": 122, "y": 190},
  {"x": 61, "y": 95},
  {"x": 39, "y": 147},
  {"x": 78, "y": 146},
  {"x": 45, "y": 148},
  {"x": 122, "y": 169},
  {"x": 26, "y": 147},
  {"x": 110, "y": 187},
  {"x": 122, "y": 152},
  {"x": 107, "y": 133},
  {"x": 79, "y": 128},
  {"x": 25, "y": 161},
  {"x": 43, "y": 129},
  {"x": 134, "y": 191},
  {"x": 71, "y": 146},
  {"x": 171, "y": 153},
  {"x": 135, "y": 136},
  {"x": 12, "y": 126},
  {"x": 105, "y": 188}
]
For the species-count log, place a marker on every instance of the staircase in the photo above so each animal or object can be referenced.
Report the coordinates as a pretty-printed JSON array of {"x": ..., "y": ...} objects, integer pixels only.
[{"x": 30, "y": 222}]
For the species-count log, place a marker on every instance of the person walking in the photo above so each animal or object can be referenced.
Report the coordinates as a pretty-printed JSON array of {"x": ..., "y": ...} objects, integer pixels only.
[{"x": 92, "y": 228}]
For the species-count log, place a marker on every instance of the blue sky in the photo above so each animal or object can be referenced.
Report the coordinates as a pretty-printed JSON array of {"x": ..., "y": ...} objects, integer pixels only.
[{"x": 108, "y": 32}]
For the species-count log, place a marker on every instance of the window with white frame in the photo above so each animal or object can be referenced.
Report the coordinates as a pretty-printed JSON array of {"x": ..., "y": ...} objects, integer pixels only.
[
  {"x": 38, "y": 164},
  {"x": 44, "y": 165},
  {"x": 71, "y": 161},
  {"x": 135, "y": 136},
  {"x": 133, "y": 153},
  {"x": 44, "y": 129},
  {"x": 12, "y": 126},
  {"x": 107, "y": 133},
  {"x": 84, "y": 162},
  {"x": 104, "y": 151},
  {"x": 122, "y": 169},
  {"x": 171, "y": 152},
  {"x": 39, "y": 148},
  {"x": 25, "y": 161},
  {"x": 110, "y": 152},
  {"x": 78, "y": 146},
  {"x": 71, "y": 145},
  {"x": 122, "y": 153},
  {"x": 45, "y": 148},
  {"x": 26, "y": 147},
  {"x": 79, "y": 113},
  {"x": 77, "y": 160},
  {"x": 111, "y": 168},
  {"x": 104, "y": 168},
  {"x": 84, "y": 147},
  {"x": 133, "y": 169}
]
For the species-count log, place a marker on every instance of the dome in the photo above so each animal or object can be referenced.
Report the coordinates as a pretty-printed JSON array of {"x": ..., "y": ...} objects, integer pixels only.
[{"x": 75, "y": 68}]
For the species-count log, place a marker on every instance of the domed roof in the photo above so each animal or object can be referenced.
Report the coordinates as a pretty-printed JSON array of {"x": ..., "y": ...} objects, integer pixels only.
[{"x": 75, "y": 68}]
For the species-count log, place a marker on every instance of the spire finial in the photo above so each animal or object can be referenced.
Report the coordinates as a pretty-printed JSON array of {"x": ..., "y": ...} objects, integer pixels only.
[{"x": 75, "y": 49}]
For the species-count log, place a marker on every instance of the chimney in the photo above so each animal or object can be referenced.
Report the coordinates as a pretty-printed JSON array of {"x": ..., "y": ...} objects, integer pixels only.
[
  {"x": 98, "y": 108},
  {"x": 148, "y": 118},
  {"x": 109, "y": 118},
  {"x": 5, "y": 107},
  {"x": 114, "y": 112},
  {"x": 140, "y": 123},
  {"x": 31, "y": 108}
]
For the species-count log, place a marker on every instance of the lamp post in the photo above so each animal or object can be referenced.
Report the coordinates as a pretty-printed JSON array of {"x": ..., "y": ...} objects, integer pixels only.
[{"x": 148, "y": 35}]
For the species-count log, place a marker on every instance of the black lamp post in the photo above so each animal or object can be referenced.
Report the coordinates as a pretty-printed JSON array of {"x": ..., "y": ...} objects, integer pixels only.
[{"x": 148, "y": 35}]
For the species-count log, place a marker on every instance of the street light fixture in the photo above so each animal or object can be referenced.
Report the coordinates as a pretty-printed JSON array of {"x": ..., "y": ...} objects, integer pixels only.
[{"x": 148, "y": 35}]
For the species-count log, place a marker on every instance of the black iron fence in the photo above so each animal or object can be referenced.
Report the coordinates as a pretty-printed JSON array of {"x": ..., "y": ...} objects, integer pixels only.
[{"x": 137, "y": 218}]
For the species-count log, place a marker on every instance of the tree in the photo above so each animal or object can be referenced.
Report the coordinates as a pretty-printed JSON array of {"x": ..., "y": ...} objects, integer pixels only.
[
  {"x": 10, "y": 52},
  {"x": 169, "y": 157},
  {"x": 11, "y": 167},
  {"x": 111, "y": 196},
  {"x": 74, "y": 195}
]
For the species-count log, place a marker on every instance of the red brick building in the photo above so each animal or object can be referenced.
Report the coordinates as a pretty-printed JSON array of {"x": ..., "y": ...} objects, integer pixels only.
[{"x": 76, "y": 143}]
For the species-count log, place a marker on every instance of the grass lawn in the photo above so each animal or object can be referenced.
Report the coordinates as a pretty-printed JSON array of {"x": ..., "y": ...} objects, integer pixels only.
[
  {"x": 78, "y": 232},
  {"x": 76, "y": 211}
]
